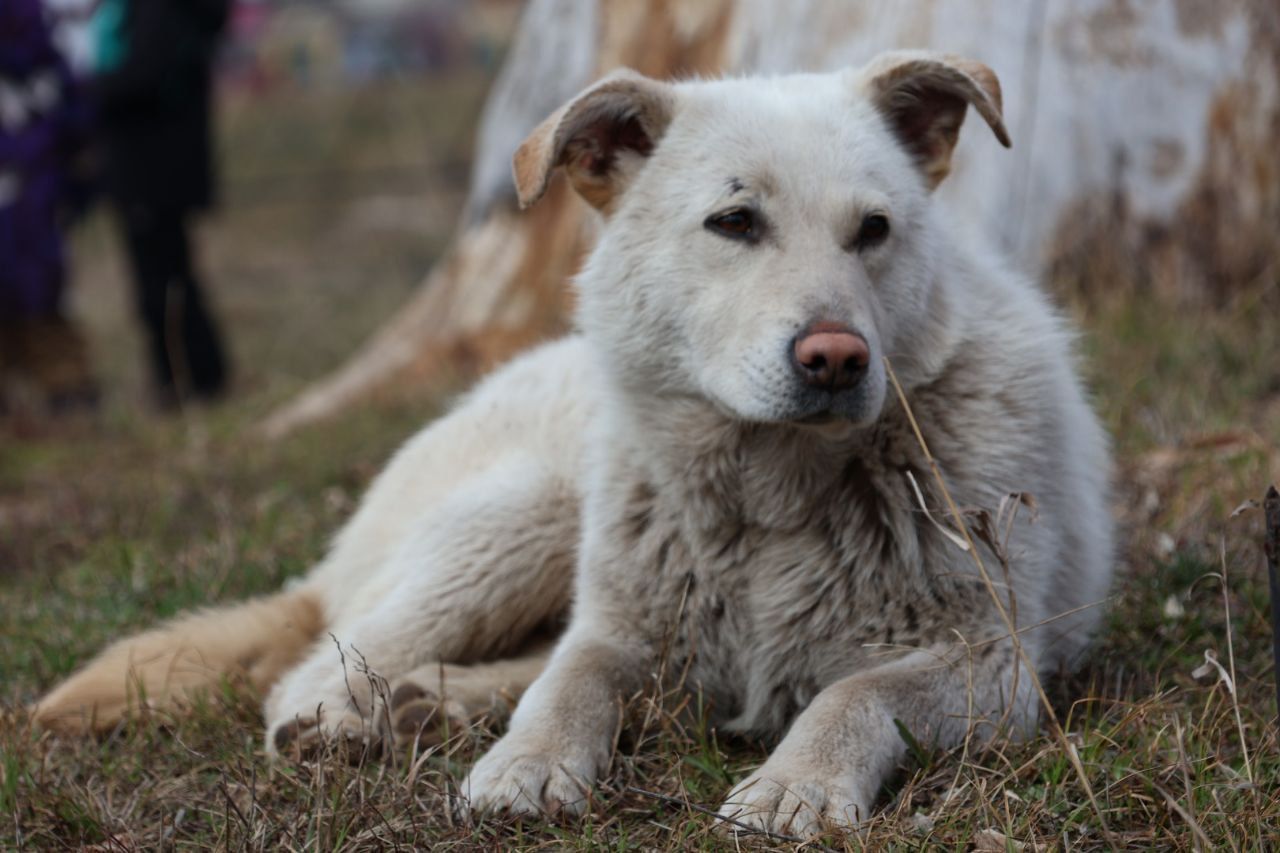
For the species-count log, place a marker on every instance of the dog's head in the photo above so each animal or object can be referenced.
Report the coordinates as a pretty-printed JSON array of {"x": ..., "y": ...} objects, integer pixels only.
[{"x": 766, "y": 241}]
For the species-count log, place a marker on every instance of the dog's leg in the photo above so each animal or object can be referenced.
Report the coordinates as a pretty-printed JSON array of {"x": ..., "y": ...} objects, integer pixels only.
[
  {"x": 829, "y": 768},
  {"x": 561, "y": 735},
  {"x": 438, "y": 698},
  {"x": 480, "y": 574}
]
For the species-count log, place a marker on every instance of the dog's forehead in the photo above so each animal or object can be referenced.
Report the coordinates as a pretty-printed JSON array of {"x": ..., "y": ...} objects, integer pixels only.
[{"x": 773, "y": 130}]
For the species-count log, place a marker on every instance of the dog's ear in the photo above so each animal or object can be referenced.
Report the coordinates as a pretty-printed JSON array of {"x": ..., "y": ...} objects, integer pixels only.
[
  {"x": 600, "y": 138},
  {"x": 923, "y": 96}
]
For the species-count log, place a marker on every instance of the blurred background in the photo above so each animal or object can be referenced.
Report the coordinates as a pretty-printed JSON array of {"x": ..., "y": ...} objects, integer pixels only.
[
  {"x": 342, "y": 132},
  {"x": 352, "y": 237}
]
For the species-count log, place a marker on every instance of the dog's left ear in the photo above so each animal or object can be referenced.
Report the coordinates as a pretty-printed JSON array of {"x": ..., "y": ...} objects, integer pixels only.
[
  {"x": 601, "y": 138},
  {"x": 924, "y": 95}
]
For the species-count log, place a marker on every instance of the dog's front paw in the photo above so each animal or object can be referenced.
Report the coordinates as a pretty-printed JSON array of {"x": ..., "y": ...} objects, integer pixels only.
[
  {"x": 525, "y": 782},
  {"x": 792, "y": 801}
]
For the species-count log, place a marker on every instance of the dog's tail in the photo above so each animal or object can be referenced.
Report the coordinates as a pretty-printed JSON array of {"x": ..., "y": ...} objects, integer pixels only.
[{"x": 162, "y": 669}]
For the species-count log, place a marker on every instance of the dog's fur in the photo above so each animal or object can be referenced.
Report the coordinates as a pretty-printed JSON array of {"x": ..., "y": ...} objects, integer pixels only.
[{"x": 768, "y": 538}]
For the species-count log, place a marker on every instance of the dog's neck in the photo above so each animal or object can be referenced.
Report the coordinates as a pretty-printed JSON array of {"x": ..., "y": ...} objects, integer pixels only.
[{"x": 772, "y": 475}]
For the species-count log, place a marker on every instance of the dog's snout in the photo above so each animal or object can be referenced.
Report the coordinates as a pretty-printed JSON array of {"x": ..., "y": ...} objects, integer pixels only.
[{"x": 831, "y": 357}]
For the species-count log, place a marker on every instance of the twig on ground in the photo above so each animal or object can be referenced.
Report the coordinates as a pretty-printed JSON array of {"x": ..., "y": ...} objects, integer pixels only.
[
  {"x": 1231, "y": 664},
  {"x": 1202, "y": 840},
  {"x": 1185, "y": 767},
  {"x": 1271, "y": 545}
]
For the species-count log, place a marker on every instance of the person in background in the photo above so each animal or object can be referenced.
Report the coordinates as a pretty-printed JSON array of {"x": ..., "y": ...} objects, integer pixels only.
[
  {"x": 153, "y": 87},
  {"x": 44, "y": 122}
]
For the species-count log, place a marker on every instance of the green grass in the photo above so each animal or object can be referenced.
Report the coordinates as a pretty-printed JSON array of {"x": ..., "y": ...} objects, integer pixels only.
[{"x": 106, "y": 527}]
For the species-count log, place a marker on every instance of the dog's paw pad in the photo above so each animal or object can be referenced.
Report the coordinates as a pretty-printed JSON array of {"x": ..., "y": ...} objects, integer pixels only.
[
  {"x": 407, "y": 693},
  {"x": 287, "y": 734},
  {"x": 359, "y": 748},
  {"x": 427, "y": 721},
  {"x": 418, "y": 721},
  {"x": 304, "y": 740}
]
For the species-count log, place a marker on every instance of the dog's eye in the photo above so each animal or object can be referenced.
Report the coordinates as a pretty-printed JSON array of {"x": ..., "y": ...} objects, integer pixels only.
[
  {"x": 739, "y": 223},
  {"x": 874, "y": 228}
]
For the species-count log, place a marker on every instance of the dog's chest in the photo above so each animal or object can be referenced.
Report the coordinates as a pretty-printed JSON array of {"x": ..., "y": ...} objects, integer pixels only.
[{"x": 784, "y": 597}]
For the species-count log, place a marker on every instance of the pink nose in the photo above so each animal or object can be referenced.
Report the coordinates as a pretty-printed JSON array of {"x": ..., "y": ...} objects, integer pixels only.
[{"x": 831, "y": 357}]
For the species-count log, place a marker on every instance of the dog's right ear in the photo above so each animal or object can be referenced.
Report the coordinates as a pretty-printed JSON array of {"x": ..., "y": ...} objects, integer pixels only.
[
  {"x": 923, "y": 96},
  {"x": 601, "y": 138}
]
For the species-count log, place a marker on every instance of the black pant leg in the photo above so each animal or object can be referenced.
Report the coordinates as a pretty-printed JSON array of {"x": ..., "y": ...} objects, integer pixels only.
[
  {"x": 151, "y": 262},
  {"x": 183, "y": 340},
  {"x": 202, "y": 343}
]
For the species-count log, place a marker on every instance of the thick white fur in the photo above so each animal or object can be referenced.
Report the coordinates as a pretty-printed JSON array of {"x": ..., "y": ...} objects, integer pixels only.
[{"x": 661, "y": 451}]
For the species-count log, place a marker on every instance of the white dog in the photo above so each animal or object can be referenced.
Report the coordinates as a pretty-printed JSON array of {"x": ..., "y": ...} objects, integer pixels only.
[{"x": 721, "y": 455}]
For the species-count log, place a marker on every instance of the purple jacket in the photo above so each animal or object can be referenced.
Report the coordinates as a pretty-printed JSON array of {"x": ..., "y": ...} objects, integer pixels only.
[{"x": 43, "y": 123}]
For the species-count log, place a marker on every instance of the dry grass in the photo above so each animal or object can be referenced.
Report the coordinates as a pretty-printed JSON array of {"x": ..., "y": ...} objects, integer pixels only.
[{"x": 106, "y": 527}]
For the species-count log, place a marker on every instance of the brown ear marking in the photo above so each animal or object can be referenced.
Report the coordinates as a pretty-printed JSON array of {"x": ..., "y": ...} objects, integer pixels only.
[
  {"x": 532, "y": 164},
  {"x": 623, "y": 112},
  {"x": 924, "y": 95}
]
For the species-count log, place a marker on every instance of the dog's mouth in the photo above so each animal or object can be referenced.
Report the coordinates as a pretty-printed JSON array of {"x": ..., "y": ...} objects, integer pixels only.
[
  {"x": 853, "y": 408},
  {"x": 819, "y": 418},
  {"x": 805, "y": 408}
]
